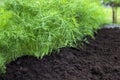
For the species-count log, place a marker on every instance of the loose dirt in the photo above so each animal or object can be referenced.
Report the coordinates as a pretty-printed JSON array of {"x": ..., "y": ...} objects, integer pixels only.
[{"x": 99, "y": 60}]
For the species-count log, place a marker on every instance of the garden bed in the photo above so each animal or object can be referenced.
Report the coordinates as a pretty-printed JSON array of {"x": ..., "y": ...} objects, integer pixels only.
[{"x": 100, "y": 60}]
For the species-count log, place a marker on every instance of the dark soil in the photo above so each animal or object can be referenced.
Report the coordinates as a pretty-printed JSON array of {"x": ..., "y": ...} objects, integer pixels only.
[{"x": 99, "y": 60}]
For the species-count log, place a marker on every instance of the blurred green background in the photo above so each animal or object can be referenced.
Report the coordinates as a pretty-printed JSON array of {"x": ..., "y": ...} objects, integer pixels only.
[{"x": 109, "y": 15}]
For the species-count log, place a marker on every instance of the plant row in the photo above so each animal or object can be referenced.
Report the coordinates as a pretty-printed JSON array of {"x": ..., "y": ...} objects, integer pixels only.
[{"x": 38, "y": 27}]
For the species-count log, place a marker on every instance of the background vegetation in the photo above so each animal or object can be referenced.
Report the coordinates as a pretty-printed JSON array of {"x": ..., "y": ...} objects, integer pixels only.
[
  {"x": 38, "y": 27},
  {"x": 109, "y": 15},
  {"x": 114, "y": 5}
]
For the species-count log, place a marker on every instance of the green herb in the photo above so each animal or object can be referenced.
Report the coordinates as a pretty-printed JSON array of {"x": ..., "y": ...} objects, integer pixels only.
[{"x": 37, "y": 27}]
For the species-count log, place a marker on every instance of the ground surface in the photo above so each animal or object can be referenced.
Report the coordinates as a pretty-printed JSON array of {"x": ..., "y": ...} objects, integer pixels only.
[
  {"x": 100, "y": 60},
  {"x": 111, "y": 26}
]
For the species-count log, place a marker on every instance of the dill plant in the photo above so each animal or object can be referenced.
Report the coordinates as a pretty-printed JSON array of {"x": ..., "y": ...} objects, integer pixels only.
[{"x": 37, "y": 27}]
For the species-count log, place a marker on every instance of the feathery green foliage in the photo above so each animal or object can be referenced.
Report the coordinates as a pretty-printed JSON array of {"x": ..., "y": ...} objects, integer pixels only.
[{"x": 37, "y": 27}]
